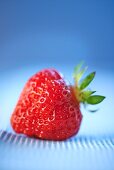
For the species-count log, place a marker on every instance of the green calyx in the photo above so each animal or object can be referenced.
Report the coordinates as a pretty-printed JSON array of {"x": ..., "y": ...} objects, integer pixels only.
[{"x": 82, "y": 95}]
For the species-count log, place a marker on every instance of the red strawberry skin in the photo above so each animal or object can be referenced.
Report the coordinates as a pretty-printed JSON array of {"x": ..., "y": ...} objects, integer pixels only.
[{"x": 47, "y": 108}]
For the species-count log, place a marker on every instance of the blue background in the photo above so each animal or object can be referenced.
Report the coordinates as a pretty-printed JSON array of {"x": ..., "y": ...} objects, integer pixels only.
[{"x": 56, "y": 32}]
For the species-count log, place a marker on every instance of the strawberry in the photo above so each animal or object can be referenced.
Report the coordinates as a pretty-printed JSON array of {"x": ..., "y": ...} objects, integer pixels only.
[{"x": 49, "y": 108}]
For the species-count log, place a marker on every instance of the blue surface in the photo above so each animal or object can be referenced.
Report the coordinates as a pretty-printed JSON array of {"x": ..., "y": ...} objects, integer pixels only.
[{"x": 77, "y": 153}]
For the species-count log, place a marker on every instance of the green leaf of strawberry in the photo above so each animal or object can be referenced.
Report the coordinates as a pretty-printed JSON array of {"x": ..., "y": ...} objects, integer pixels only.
[
  {"x": 87, "y": 81},
  {"x": 78, "y": 73},
  {"x": 86, "y": 94},
  {"x": 96, "y": 99}
]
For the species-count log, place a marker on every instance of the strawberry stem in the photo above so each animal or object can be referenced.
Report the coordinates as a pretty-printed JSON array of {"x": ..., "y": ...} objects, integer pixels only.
[{"x": 82, "y": 95}]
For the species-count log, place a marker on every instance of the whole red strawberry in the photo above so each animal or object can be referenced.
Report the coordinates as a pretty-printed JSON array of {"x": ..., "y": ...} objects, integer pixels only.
[{"x": 49, "y": 108}]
